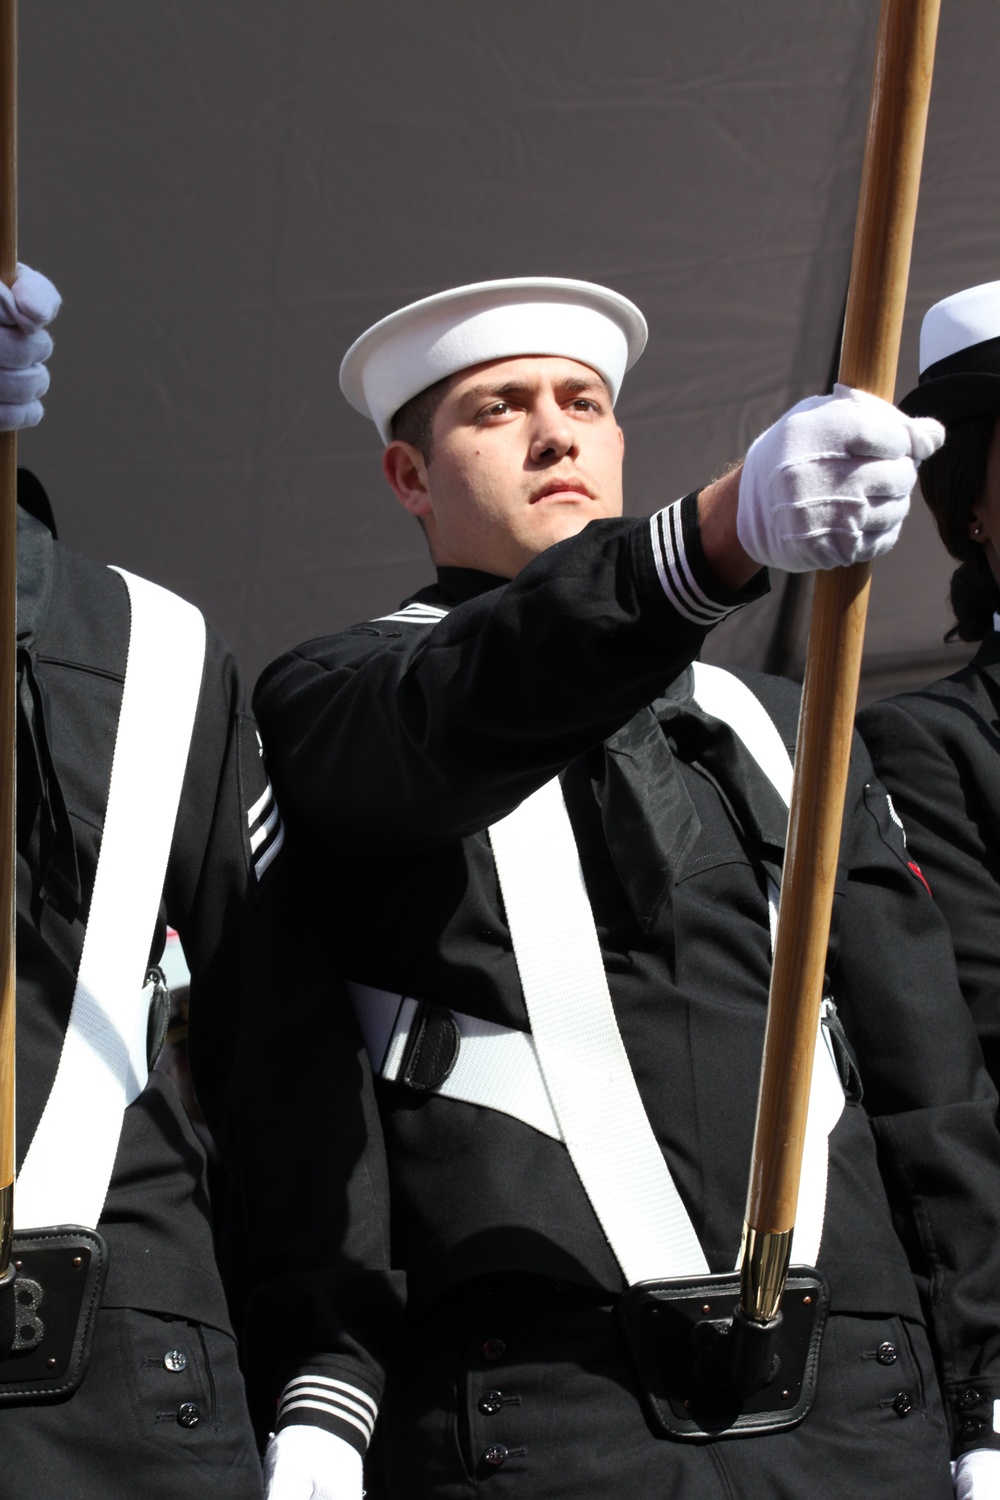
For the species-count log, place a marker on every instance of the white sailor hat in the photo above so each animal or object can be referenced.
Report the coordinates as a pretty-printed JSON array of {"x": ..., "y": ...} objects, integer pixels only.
[
  {"x": 959, "y": 358},
  {"x": 403, "y": 354}
]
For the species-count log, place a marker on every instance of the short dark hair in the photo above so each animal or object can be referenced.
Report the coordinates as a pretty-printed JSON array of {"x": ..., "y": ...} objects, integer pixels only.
[
  {"x": 414, "y": 421},
  {"x": 953, "y": 481}
]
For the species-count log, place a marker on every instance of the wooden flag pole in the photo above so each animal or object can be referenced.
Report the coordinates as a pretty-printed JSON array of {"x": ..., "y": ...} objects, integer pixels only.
[
  {"x": 883, "y": 237},
  {"x": 8, "y": 633}
]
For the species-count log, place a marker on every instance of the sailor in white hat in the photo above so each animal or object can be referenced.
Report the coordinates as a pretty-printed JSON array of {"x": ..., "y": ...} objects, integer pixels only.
[{"x": 540, "y": 693}]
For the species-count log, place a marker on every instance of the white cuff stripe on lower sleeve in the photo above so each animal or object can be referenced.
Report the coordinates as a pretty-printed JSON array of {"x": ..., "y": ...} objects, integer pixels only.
[
  {"x": 327, "y": 1383},
  {"x": 364, "y": 1412},
  {"x": 329, "y": 1409},
  {"x": 336, "y": 1396},
  {"x": 674, "y": 572}
]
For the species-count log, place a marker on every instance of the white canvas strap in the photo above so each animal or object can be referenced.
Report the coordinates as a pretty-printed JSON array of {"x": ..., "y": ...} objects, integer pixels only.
[
  {"x": 496, "y": 1068},
  {"x": 102, "y": 1067},
  {"x": 724, "y": 696},
  {"x": 580, "y": 1050}
]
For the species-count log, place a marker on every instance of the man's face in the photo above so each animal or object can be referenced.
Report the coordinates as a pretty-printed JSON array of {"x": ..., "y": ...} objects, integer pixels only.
[{"x": 526, "y": 452}]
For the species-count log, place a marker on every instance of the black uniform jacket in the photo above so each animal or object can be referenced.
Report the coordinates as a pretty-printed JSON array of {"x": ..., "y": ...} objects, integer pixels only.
[
  {"x": 72, "y": 641},
  {"x": 396, "y": 743},
  {"x": 938, "y": 752}
]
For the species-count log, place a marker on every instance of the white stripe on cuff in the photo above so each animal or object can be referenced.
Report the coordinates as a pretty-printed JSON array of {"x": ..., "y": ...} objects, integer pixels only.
[
  {"x": 675, "y": 573},
  {"x": 329, "y": 1409},
  {"x": 321, "y": 1384},
  {"x": 334, "y": 1398}
]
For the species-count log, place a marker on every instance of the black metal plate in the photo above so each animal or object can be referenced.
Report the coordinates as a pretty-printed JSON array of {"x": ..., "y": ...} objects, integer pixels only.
[
  {"x": 659, "y": 1318},
  {"x": 57, "y": 1289}
]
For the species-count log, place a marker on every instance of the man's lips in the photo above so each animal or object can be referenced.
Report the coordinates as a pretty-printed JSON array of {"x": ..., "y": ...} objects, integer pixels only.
[{"x": 561, "y": 487}]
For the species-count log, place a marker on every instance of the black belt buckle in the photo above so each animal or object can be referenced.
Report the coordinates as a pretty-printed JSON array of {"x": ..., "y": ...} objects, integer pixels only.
[
  {"x": 47, "y": 1310},
  {"x": 674, "y": 1329}
]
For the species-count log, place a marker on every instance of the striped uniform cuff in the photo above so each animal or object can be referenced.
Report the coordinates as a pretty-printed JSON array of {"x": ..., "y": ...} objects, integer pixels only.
[
  {"x": 684, "y": 575},
  {"x": 343, "y": 1409}
]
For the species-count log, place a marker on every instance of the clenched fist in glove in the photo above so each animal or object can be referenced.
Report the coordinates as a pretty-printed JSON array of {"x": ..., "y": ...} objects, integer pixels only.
[
  {"x": 309, "y": 1463},
  {"x": 829, "y": 484},
  {"x": 25, "y": 308}
]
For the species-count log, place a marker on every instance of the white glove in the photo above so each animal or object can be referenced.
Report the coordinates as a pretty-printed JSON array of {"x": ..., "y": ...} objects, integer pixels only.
[
  {"x": 308, "y": 1463},
  {"x": 829, "y": 484},
  {"x": 25, "y": 308},
  {"x": 977, "y": 1475}
]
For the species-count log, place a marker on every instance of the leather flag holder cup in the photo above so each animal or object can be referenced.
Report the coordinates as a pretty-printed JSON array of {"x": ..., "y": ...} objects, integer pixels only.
[
  {"x": 48, "y": 1303},
  {"x": 705, "y": 1374}
]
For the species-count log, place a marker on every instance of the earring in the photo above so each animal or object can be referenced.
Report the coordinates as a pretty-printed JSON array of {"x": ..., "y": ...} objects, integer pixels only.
[{"x": 978, "y": 531}]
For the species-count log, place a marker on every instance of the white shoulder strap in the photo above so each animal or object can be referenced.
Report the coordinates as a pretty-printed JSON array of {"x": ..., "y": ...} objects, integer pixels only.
[
  {"x": 725, "y": 697},
  {"x": 579, "y": 1047},
  {"x": 102, "y": 1068}
]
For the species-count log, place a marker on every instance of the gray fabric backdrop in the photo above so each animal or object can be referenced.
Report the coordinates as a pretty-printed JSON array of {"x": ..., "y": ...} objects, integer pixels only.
[{"x": 229, "y": 191}]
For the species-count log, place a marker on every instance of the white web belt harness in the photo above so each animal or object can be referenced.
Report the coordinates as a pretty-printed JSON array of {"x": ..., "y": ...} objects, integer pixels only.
[
  {"x": 570, "y": 1077},
  {"x": 103, "y": 1067}
]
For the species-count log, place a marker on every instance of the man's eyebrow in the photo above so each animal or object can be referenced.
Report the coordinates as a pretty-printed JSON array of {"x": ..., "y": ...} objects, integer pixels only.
[{"x": 573, "y": 383}]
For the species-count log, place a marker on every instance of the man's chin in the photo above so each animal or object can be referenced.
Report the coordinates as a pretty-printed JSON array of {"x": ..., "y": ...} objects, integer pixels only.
[{"x": 562, "y": 522}]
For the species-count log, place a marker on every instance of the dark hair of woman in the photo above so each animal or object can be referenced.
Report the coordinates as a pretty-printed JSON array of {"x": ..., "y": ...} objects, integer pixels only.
[{"x": 953, "y": 481}]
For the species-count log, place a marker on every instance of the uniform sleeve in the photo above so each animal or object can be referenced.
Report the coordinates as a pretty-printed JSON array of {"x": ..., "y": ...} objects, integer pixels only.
[
  {"x": 285, "y": 1088},
  {"x": 928, "y": 1097},
  {"x": 302, "y": 1136},
  {"x": 950, "y": 823},
  {"x": 394, "y": 737},
  {"x": 211, "y": 883}
]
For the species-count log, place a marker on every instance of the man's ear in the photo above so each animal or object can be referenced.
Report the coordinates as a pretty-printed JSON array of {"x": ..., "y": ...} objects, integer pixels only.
[{"x": 406, "y": 472}]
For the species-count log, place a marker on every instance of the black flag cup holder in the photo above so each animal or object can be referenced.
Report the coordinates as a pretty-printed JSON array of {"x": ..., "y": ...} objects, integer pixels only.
[
  {"x": 706, "y": 1372},
  {"x": 48, "y": 1301}
]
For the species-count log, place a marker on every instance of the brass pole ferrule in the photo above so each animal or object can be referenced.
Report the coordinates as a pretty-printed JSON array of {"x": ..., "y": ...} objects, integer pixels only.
[{"x": 763, "y": 1271}]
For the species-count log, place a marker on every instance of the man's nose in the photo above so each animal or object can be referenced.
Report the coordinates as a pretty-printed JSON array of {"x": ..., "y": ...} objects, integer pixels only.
[{"x": 553, "y": 435}]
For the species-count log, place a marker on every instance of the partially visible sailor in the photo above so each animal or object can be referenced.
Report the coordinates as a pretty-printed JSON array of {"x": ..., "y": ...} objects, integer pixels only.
[
  {"x": 433, "y": 766},
  {"x": 142, "y": 798}
]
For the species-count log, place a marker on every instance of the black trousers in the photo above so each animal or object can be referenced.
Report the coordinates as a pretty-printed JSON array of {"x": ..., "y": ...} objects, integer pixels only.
[
  {"x": 160, "y": 1415},
  {"x": 519, "y": 1388}
]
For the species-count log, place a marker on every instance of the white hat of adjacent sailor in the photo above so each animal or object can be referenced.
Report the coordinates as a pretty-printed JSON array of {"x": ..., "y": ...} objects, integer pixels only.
[
  {"x": 411, "y": 349},
  {"x": 959, "y": 357}
]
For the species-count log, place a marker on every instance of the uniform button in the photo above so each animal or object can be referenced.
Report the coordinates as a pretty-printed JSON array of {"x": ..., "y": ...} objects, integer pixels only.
[
  {"x": 188, "y": 1414},
  {"x": 972, "y": 1427},
  {"x": 495, "y": 1455},
  {"x": 494, "y": 1349},
  {"x": 491, "y": 1403},
  {"x": 903, "y": 1404},
  {"x": 968, "y": 1398},
  {"x": 887, "y": 1354},
  {"x": 176, "y": 1360}
]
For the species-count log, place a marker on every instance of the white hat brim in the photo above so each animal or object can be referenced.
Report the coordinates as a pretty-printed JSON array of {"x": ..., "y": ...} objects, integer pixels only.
[{"x": 438, "y": 336}]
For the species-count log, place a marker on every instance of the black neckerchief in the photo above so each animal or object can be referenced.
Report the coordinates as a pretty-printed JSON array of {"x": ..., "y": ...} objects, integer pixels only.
[
  {"x": 58, "y": 878},
  {"x": 650, "y": 822}
]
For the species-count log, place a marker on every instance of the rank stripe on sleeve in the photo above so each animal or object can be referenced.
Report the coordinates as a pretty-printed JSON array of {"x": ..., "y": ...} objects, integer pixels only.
[
  {"x": 267, "y": 831},
  {"x": 415, "y": 614}
]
